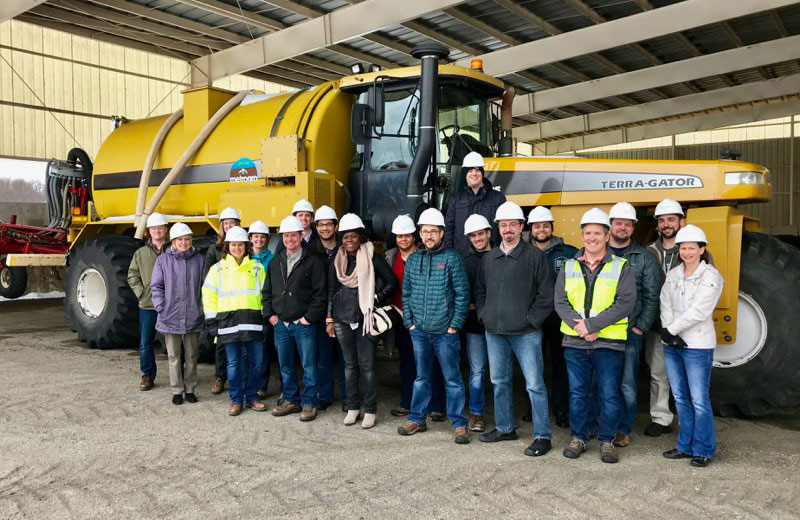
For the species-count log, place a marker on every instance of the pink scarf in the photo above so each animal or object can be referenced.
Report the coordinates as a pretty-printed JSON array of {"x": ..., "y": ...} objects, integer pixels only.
[{"x": 362, "y": 277}]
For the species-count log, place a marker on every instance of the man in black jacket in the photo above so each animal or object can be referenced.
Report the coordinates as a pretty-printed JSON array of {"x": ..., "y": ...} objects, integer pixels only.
[
  {"x": 514, "y": 295},
  {"x": 294, "y": 300},
  {"x": 477, "y": 197},
  {"x": 479, "y": 232}
]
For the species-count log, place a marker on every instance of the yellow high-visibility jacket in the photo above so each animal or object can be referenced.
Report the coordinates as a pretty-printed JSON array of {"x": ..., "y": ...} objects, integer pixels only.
[{"x": 232, "y": 300}]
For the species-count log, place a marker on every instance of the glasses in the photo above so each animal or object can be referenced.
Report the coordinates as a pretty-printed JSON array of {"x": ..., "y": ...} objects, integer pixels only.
[{"x": 429, "y": 232}]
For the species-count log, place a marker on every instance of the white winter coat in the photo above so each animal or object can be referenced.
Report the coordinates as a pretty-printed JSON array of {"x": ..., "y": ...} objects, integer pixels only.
[{"x": 687, "y": 304}]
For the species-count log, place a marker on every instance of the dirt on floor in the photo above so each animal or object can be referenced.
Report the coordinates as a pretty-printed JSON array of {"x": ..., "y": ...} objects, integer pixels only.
[{"x": 78, "y": 440}]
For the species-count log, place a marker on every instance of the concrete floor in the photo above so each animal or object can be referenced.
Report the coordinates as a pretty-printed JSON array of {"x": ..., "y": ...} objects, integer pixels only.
[{"x": 78, "y": 440}]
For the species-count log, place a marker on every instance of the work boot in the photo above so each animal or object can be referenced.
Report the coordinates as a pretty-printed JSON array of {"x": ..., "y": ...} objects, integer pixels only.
[
  {"x": 462, "y": 436},
  {"x": 219, "y": 386},
  {"x": 656, "y": 430},
  {"x": 410, "y": 428},
  {"x": 621, "y": 440},
  {"x": 234, "y": 409},
  {"x": 146, "y": 384},
  {"x": 191, "y": 398},
  {"x": 285, "y": 408},
  {"x": 675, "y": 453},
  {"x": 257, "y": 406},
  {"x": 476, "y": 423},
  {"x": 608, "y": 453},
  {"x": 575, "y": 448},
  {"x": 538, "y": 447},
  {"x": 309, "y": 413},
  {"x": 497, "y": 436}
]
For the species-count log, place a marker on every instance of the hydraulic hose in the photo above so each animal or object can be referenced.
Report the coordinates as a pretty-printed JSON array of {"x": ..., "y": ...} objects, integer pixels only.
[
  {"x": 506, "y": 147},
  {"x": 186, "y": 157},
  {"x": 155, "y": 147}
]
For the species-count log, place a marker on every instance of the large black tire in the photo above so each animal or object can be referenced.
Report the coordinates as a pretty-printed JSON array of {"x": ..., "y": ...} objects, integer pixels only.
[
  {"x": 100, "y": 305},
  {"x": 13, "y": 281},
  {"x": 764, "y": 374}
]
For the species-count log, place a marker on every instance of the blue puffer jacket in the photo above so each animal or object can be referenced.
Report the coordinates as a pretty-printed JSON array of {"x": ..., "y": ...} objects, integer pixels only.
[{"x": 435, "y": 291}]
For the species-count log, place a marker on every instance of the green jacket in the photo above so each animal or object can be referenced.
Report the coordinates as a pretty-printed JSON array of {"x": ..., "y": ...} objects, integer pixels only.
[{"x": 140, "y": 273}]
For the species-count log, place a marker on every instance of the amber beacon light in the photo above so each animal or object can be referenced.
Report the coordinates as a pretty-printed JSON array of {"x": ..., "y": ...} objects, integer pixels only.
[{"x": 476, "y": 65}]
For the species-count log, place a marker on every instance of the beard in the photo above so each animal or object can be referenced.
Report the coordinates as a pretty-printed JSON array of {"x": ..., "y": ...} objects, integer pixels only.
[
  {"x": 541, "y": 240},
  {"x": 668, "y": 232}
]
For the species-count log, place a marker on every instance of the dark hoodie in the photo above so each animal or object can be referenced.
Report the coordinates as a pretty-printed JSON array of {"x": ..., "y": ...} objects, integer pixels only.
[
  {"x": 473, "y": 263},
  {"x": 465, "y": 203}
]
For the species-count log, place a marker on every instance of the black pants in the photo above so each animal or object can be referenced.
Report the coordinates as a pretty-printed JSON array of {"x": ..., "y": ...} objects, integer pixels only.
[
  {"x": 552, "y": 336},
  {"x": 220, "y": 361},
  {"x": 359, "y": 367}
]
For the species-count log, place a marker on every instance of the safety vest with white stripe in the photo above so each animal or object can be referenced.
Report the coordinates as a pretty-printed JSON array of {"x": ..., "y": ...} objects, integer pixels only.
[
  {"x": 232, "y": 298},
  {"x": 603, "y": 293}
]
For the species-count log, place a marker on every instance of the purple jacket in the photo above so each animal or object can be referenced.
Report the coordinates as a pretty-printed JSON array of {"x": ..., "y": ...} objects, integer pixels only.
[{"x": 177, "y": 279}]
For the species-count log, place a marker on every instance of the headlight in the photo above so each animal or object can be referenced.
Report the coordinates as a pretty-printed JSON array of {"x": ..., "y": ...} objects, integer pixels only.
[{"x": 735, "y": 178}]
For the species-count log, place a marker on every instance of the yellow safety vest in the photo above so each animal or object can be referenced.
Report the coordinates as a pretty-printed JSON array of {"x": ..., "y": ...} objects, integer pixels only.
[
  {"x": 603, "y": 294},
  {"x": 230, "y": 287}
]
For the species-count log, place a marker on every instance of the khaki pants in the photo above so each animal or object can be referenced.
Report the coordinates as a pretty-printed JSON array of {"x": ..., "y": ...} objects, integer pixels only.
[
  {"x": 182, "y": 380},
  {"x": 659, "y": 383}
]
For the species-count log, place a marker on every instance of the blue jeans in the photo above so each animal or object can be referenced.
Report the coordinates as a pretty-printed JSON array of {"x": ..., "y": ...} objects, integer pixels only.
[
  {"x": 478, "y": 366},
  {"x": 147, "y": 334},
  {"x": 326, "y": 346},
  {"x": 605, "y": 366},
  {"x": 446, "y": 348},
  {"x": 689, "y": 372},
  {"x": 304, "y": 338},
  {"x": 408, "y": 373},
  {"x": 528, "y": 350},
  {"x": 236, "y": 352}
]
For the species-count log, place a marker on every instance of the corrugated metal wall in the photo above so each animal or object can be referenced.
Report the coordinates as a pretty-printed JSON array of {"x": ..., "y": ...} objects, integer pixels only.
[
  {"x": 775, "y": 154},
  {"x": 88, "y": 81}
]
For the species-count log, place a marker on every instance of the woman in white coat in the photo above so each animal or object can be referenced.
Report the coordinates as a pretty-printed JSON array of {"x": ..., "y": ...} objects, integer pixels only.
[{"x": 688, "y": 298}]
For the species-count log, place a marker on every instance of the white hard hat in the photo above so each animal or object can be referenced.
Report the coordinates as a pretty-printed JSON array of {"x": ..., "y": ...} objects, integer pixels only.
[
  {"x": 596, "y": 216},
  {"x": 475, "y": 223},
  {"x": 156, "y": 219},
  {"x": 302, "y": 205},
  {"x": 431, "y": 217},
  {"x": 258, "y": 227},
  {"x": 690, "y": 233},
  {"x": 473, "y": 160},
  {"x": 324, "y": 213},
  {"x": 509, "y": 211},
  {"x": 623, "y": 210},
  {"x": 229, "y": 213},
  {"x": 668, "y": 207},
  {"x": 349, "y": 222},
  {"x": 540, "y": 214},
  {"x": 290, "y": 224},
  {"x": 403, "y": 225},
  {"x": 236, "y": 234},
  {"x": 179, "y": 230}
]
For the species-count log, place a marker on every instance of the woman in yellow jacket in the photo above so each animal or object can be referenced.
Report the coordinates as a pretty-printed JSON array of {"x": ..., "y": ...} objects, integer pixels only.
[{"x": 232, "y": 307}]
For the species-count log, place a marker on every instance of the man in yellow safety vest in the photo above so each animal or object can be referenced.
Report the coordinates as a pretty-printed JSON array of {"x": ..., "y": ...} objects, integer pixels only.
[{"x": 594, "y": 294}]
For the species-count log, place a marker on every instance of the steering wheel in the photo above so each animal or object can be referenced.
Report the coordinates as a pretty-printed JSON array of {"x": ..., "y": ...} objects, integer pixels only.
[{"x": 445, "y": 137}]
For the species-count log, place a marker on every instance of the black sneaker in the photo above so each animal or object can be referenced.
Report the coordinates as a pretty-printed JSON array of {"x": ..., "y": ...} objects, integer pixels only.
[
  {"x": 656, "y": 430},
  {"x": 675, "y": 453},
  {"x": 700, "y": 462},
  {"x": 538, "y": 447},
  {"x": 177, "y": 399},
  {"x": 437, "y": 416},
  {"x": 191, "y": 398},
  {"x": 497, "y": 436}
]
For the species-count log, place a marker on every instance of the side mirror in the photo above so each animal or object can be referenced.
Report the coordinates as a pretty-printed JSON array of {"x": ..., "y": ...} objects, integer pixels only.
[
  {"x": 376, "y": 99},
  {"x": 360, "y": 127}
]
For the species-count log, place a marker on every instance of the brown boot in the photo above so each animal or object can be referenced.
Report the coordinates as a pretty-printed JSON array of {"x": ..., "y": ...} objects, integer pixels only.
[
  {"x": 476, "y": 423},
  {"x": 146, "y": 384},
  {"x": 219, "y": 386},
  {"x": 410, "y": 428},
  {"x": 234, "y": 409},
  {"x": 621, "y": 440},
  {"x": 309, "y": 413},
  {"x": 462, "y": 436},
  {"x": 257, "y": 406},
  {"x": 285, "y": 408}
]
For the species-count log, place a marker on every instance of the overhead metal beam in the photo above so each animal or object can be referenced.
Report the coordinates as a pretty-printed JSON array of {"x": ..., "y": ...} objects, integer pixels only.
[
  {"x": 317, "y": 33},
  {"x": 746, "y": 93},
  {"x": 692, "y": 123},
  {"x": 630, "y": 29},
  {"x": 724, "y": 62},
  {"x": 12, "y": 8}
]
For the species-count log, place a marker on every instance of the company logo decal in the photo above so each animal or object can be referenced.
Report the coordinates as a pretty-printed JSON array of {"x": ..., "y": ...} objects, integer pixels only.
[{"x": 244, "y": 170}]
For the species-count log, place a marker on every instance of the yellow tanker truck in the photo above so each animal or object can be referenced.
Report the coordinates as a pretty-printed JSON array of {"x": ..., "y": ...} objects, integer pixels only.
[{"x": 381, "y": 143}]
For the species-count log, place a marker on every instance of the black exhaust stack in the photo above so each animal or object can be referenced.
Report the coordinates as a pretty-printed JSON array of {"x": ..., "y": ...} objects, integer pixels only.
[{"x": 429, "y": 54}]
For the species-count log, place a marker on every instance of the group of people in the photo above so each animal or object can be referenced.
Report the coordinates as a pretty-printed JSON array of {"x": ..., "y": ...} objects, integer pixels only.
[{"x": 465, "y": 277}]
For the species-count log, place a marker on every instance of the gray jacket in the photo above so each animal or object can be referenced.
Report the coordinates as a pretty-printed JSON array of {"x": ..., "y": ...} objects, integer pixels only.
[
  {"x": 622, "y": 306},
  {"x": 648, "y": 287}
]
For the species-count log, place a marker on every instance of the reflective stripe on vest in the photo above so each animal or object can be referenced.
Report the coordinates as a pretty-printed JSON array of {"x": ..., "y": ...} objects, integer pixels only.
[
  {"x": 603, "y": 294},
  {"x": 234, "y": 286}
]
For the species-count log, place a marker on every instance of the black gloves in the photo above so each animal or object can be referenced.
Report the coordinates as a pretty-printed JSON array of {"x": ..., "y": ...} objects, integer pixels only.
[
  {"x": 211, "y": 328},
  {"x": 671, "y": 339}
]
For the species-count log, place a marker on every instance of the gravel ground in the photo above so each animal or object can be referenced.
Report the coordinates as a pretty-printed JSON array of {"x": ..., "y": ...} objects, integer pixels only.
[{"x": 78, "y": 440}]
